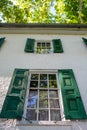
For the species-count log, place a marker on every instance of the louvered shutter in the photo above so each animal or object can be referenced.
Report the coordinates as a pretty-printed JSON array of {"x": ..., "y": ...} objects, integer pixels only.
[
  {"x": 2, "y": 41},
  {"x": 73, "y": 105},
  {"x": 57, "y": 46},
  {"x": 29, "y": 47},
  {"x": 85, "y": 40},
  {"x": 14, "y": 102}
]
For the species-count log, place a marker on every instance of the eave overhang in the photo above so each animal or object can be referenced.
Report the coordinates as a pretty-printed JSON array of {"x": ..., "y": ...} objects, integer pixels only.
[{"x": 36, "y": 28}]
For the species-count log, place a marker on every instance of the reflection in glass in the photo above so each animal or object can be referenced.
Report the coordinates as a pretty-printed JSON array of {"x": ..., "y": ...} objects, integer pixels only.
[
  {"x": 54, "y": 103},
  {"x": 34, "y": 84},
  {"x": 53, "y": 94},
  {"x": 32, "y": 99},
  {"x": 43, "y": 103},
  {"x": 52, "y": 84},
  {"x": 43, "y": 94},
  {"x": 34, "y": 77},
  {"x": 43, "y": 76},
  {"x": 43, "y": 84},
  {"x": 43, "y": 115},
  {"x": 55, "y": 115},
  {"x": 31, "y": 114},
  {"x": 52, "y": 77}
]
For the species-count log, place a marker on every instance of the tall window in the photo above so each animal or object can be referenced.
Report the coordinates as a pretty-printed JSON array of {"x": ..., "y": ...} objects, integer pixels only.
[{"x": 43, "y": 98}]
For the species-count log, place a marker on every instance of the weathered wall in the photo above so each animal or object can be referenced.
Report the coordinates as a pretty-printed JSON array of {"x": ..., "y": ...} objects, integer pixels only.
[{"x": 12, "y": 56}]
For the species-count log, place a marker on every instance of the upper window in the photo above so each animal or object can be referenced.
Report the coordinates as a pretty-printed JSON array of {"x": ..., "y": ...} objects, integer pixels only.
[
  {"x": 34, "y": 46},
  {"x": 43, "y": 47}
]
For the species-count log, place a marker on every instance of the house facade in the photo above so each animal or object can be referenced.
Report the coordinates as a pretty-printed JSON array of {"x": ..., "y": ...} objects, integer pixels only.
[{"x": 43, "y": 70}]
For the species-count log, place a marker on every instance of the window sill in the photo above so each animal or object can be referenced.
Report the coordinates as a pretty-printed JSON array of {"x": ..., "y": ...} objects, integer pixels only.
[{"x": 44, "y": 123}]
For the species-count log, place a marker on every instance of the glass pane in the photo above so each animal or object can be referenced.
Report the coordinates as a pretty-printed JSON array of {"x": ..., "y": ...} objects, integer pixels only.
[
  {"x": 48, "y": 45},
  {"x": 52, "y": 84},
  {"x": 43, "y": 94},
  {"x": 53, "y": 94},
  {"x": 32, "y": 103},
  {"x": 55, "y": 115},
  {"x": 34, "y": 84},
  {"x": 52, "y": 77},
  {"x": 31, "y": 115},
  {"x": 38, "y": 44},
  {"x": 54, "y": 103},
  {"x": 43, "y": 45},
  {"x": 33, "y": 93},
  {"x": 43, "y": 115},
  {"x": 43, "y": 103},
  {"x": 32, "y": 99},
  {"x": 43, "y": 84},
  {"x": 43, "y": 76},
  {"x": 38, "y": 50},
  {"x": 34, "y": 77}
]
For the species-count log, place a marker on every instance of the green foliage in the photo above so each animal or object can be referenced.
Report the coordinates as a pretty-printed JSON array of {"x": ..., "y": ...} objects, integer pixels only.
[{"x": 40, "y": 11}]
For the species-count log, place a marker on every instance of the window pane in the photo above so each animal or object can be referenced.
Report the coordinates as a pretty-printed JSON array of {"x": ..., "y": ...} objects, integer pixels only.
[
  {"x": 43, "y": 115},
  {"x": 34, "y": 84},
  {"x": 54, "y": 103},
  {"x": 34, "y": 77},
  {"x": 53, "y": 94},
  {"x": 38, "y": 44},
  {"x": 52, "y": 77},
  {"x": 31, "y": 115},
  {"x": 43, "y": 103},
  {"x": 43, "y": 45},
  {"x": 48, "y": 45},
  {"x": 55, "y": 115},
  {"x": 43, "y": 94},
  {"x": 43, "y": 76},
  {"x": 38, "y": 50},
  {"x": 32, "y": 99},
  {"x": 43, "y": 84},
  {"x": 33, "y": 93},
  {"x": 52, "y": 84}
]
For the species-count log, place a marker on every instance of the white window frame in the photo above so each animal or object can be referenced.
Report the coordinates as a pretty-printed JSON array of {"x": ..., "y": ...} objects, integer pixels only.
[
  {"x": 43, "y": 41},
  {"x": 59, "y": 95}
]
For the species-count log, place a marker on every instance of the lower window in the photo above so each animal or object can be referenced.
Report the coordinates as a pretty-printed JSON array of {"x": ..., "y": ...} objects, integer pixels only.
[{"x": 43, "y": 102}]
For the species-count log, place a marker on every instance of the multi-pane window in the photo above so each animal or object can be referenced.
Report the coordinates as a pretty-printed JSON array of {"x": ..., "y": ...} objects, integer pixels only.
[
  {"x": 43, "y": 47},
  {"x": 43, "y": 98}
]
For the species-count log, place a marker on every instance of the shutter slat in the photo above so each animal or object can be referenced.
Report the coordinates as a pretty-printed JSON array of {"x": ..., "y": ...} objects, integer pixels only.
[
  {"x": 2, "y": 41},
  {"x": 29, "y": 47},
  {"x": 57, "y": 46},
  {"x": 15, "y": 98},
  {"x": 73, "y": 105}
]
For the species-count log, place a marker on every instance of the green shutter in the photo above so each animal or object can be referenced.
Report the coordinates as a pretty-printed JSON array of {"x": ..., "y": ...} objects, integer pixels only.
[
  {"x": 85, "y": 40},
  {"x": 57, "y": 46},
  {"x": 29, "y": 47},
  {"x": 2, "y": 41},
  {"x": 73, "y": 106},
  {"x": 14, "y": 102}
]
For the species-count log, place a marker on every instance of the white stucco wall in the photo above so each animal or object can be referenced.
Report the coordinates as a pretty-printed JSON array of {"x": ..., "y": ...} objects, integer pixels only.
[{"x": 12, "y": 56}]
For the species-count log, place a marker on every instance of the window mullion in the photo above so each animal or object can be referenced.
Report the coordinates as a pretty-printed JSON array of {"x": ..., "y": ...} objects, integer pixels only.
[
  {"x": 38, "y": 97},
  {"x": 48, "y": 96}
]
